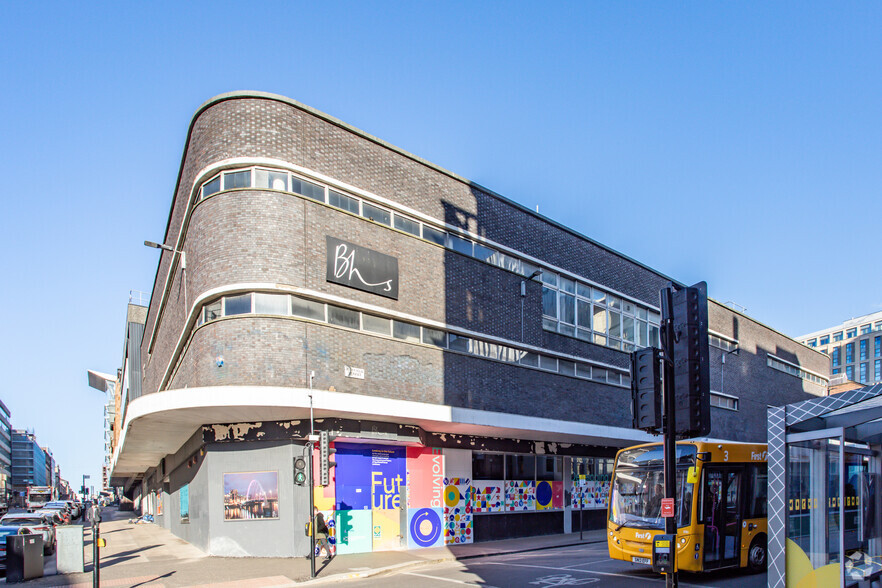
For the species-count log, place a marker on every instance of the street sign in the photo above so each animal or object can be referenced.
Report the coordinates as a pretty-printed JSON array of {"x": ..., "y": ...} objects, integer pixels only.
[{"x": 667, "y": 507}]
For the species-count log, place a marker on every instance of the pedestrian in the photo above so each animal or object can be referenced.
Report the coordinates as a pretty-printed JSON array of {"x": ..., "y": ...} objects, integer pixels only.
[{"x": 321, "y": 534}]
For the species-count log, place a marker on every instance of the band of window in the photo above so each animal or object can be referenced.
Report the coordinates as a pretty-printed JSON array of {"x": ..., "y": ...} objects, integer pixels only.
[{"x": 289, "y": 305}]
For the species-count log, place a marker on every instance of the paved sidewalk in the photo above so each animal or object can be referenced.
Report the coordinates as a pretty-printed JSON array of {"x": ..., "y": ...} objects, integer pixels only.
[{"x": 149, "y": 556}]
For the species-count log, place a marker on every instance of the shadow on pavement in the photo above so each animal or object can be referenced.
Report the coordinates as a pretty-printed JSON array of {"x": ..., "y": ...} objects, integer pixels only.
[{"x": 168, "y": 575}]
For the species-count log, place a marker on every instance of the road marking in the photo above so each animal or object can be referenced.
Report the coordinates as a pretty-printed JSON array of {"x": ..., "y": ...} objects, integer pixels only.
[
  {"x": 493, "y": 563},
  {"x": 447, "y": 580}
]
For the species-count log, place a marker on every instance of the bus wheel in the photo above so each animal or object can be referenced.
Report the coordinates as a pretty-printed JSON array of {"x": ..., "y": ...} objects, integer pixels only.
[{"x": 756, "y": 555}]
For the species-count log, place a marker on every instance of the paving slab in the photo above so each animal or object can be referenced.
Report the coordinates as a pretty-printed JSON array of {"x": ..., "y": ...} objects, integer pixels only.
[{"x": 146, "y": 555}]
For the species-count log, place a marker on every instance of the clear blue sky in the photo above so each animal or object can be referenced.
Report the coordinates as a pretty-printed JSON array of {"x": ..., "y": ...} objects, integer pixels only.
[{"x": 737, "y": 143}]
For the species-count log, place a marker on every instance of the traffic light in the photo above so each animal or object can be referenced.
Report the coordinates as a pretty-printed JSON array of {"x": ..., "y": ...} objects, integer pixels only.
[
  {"x": 646, "y": 393},
  {"x": 299, "y": 471},
  {"x": 326, "y": 451},
  {"x": 691, "y": 361}
]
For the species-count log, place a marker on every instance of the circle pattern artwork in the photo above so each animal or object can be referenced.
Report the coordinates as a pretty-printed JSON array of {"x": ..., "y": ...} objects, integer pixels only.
[
  {"x": 543, "y": 494},
  {"x": 451, "y": 496},
  {"x": 425, "y": 527}
]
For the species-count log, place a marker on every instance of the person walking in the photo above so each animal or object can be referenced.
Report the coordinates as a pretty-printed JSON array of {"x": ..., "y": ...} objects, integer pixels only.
[{"x": 321, "y": 534}]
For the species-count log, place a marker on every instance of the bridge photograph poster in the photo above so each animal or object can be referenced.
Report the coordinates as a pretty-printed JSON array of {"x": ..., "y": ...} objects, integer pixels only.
[{"x": 251, "y": 495}]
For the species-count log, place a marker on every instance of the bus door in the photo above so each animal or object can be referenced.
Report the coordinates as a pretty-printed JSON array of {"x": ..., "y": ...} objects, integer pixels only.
[{"x": 721, "y": 515}]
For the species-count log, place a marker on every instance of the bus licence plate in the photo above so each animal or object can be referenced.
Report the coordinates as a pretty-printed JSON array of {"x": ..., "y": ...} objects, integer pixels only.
[{"x": 642, "y": 560}]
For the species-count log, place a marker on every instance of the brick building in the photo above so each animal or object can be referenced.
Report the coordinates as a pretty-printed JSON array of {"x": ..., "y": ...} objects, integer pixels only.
[{"x": 471, "y": 354}]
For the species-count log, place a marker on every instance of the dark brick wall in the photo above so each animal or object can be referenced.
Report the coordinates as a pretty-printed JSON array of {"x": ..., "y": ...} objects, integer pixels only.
[{"x": 261, "y": 236}]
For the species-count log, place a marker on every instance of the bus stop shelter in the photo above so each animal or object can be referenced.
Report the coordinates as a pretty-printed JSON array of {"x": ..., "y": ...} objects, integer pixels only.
[{"x": 825, "y": 461}]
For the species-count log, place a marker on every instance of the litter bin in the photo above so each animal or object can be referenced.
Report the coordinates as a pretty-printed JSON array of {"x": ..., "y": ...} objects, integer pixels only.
[{"x": 24, "y": 557}]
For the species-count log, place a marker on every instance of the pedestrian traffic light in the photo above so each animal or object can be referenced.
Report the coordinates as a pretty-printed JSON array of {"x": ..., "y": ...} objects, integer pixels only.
[
  {"x": 299, "y": 471},
  {"x": 691, "y": 361},
  {"x": 326, "y": 451},
  {"x": 646, "y": 396}
]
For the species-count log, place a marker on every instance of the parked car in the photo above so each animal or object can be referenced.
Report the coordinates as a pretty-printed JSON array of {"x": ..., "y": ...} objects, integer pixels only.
[
  {"x": 60, "y": 516},
  {"x": 4, "y": 531},
  {"x": 75, "y": 510},
  {"x": 34, "y": 523}
]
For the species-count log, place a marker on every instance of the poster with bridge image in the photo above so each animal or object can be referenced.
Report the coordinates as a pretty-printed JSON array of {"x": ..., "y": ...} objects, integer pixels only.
[{"x": 251, "y": 495}]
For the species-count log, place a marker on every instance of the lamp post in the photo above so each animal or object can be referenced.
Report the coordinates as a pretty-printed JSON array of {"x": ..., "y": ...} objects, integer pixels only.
[
  {"x": 85, "y": 477},
  {"x": 171, "y": 249}
]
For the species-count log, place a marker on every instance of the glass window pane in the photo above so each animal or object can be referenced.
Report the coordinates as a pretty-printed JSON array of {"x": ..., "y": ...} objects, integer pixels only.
[
  {"x": 653, "y": 336},
  {"x": 343, "y": 317},
  {"x": 598, "y": 296},
  {"x": 567, "y": 285},
  {"x": 376, "y": 214},
  {"x": 308, "y": 189},
  {"x": 583, "y": 370},
  {"x": 615, "y": 324},
  {"x": 272, "y": 180},
  {"x": 568, "y": 308},
  {"x": 549, "y": 467},
  {"x": 212, "y": 311},
  {"x": 566, "y": 367},
  {"x": 628, "y": 307},
  {"x": 531, "y": 359},
  {"x": 406, "y": 331},
  {"x": 485, "y": 349},
  {"x": 598, "y": 374},
  {"x": 642, "y": 334},
  {"x": 599, "y": 339},
  {"x": 641, "y": 313},
  {"x": 484, "y": 253},
  {"x": 237, "y": 304},
  {"x": 434, "y": 235},
  {"x": 240, "y": 179},
  {"x": 600, "y": 319},
  {"x": 461, "y": 245},
  {"x": 549, "y": 278},
  {"x": 583, "y": 290},
  {"x": 488, "y": 466},
  {"x": 343, "y": 201},
  {"x": 548, "y": 363},
  {"x": 402, "y": 223},
  {"x": 528, "y": 269},
  {"x": 376, "y": 324},
  {"x": 458, "y": 343},
  {"x": 566, "y": 330},
  {"x": 583, "y": 334},
  {"x": 613, "y": 302},
  {"x": 307, "y": 308},
  {"x": 271, "y": 303},
  {"x": 549, "y": 302},
  {"x": 520, "y": 467},
  {"x": 434, "y": 337},
  {"x": 211, "y": 187},
  {"x": 628, "y": 329}
]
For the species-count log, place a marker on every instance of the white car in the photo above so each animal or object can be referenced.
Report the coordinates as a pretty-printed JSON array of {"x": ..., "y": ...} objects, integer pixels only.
[{"x": 34, "y": 523}]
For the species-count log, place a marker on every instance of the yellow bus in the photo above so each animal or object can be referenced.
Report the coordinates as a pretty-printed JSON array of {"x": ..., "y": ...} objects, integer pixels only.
[{"x": 722, "y": 490}]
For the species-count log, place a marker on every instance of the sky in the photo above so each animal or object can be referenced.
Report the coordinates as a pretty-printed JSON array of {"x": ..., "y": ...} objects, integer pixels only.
[{"x": 736, "y": 143}]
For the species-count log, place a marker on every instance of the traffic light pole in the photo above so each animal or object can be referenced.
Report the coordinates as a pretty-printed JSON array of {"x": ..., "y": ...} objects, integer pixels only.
[
  {"x": 670, "y": 429},
  {"x": 311, "y": 493}
]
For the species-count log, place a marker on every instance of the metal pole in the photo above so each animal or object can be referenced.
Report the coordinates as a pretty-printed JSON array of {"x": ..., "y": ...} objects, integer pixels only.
[
  {"x": 312, "y": 529},
  {"x": 670, "y": 438},
  {"x": 96, "y": 558}
]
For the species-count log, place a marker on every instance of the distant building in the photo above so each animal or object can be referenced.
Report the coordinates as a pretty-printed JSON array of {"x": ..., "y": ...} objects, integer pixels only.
[
  {"x": 127, "y": 381},
  {"x": 5, "y": 452},
  {"x": 854, "y": 347},
  {"x": 28, "y": 462}
]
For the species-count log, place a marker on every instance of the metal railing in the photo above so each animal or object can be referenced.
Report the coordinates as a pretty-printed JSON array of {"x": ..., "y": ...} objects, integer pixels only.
[{"x": 139, "y": 298}]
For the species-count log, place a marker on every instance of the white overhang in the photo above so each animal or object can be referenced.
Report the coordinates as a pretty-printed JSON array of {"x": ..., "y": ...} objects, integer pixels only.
[{"x": 159, "y": 424}]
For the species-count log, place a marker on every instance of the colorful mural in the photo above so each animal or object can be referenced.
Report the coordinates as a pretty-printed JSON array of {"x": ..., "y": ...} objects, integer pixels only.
[
  {"x": 332, "y": 534},
  {"x": 549, "y": 495},
  {"x": 488, "y": 495},
  {"x": 425, "y": 477},
  {"x": 386, "y": 532},
  {"x": 354, "y": 533},
  {"x": 424, "y": 528},
  {"x": 520, "y": 495},
  {"x": 590, "y": 493},
  {"x": 457, "y": 511}
]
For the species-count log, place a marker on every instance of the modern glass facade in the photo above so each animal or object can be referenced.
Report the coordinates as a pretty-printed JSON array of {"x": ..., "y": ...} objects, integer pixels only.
[{"x": 28, "y": 461}]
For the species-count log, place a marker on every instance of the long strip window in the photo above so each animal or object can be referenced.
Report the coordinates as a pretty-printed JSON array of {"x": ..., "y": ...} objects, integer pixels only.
[
  {"x": 723, "y": 401},
  {"x": 289, "y": 305},
  {"x": 787, "y": 368},
  {"x": 570, "y": 307}
]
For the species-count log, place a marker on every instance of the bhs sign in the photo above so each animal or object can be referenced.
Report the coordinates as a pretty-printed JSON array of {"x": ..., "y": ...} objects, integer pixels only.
[{"x": 361, "y": 268}]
